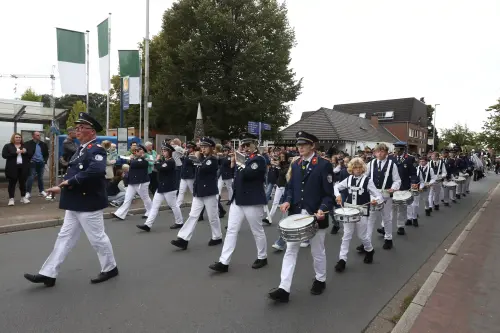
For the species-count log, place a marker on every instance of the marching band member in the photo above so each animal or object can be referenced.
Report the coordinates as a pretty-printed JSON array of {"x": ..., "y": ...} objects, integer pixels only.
[
  {"x": 83, "y": 196},
  {"x": 450, "y": 172},
  {"x": 187, "y": 173},
  {"x": 461, "y": 166},
  {"x": 470, "y": 172},
  {"x": 439, "y": 169},
  {"x": 247, "y": 203},
  {"x": 281, "y": 166},
  {"x": 407, "y": 168},
  {"x": 427, "y": 179},
  {"x": 360, "y": 187},
  {"x": 384, "y": 173},
  {"x": 308, "y": 192},
  {"x": 204, "y": 195},
  {"x": 138, "y": 182},
  {"x": 226, "y": 170},
  {"x": 167, "y": 188}
]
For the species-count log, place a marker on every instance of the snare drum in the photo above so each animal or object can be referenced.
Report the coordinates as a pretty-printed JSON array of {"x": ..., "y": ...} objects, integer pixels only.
[
  {"x": 347, "y": 215},
  {"x": 460, "y": 180},
  {"x": 451, "y": 185},
  {"x": 465, "y": 175},
  {"x": 378, "y": 207},
  {"x": 297, "y": 228},
  {"x": 402, "y": 198},
  {"x": 415, "y": 192}
]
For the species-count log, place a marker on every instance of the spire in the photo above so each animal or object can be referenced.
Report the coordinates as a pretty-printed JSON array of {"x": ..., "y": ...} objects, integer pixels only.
[{"x": 199, "y": 129}]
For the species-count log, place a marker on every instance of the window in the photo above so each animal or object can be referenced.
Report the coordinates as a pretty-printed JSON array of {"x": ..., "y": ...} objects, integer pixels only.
[{"x": 362, "y": 115}]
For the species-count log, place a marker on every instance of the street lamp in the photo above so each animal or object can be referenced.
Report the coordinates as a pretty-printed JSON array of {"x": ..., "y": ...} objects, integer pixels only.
[{"x": 434, "y": 127}]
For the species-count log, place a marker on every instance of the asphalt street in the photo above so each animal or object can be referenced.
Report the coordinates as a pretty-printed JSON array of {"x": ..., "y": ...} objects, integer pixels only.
[{"x": 163, "y": 289}]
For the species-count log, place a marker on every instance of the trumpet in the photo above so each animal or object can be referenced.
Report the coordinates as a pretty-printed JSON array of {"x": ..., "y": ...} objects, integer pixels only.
[
  {"x": 240, "y": 159},
  {"x": 196, "y": 161}
]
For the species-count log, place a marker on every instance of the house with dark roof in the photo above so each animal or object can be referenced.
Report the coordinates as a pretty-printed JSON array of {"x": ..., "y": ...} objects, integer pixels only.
[
  {"x": 405, "y": 118},
  {"x": 346, "y": 132}
]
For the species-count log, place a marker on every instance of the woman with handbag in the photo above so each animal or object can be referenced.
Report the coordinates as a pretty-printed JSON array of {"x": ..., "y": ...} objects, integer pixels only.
[{"x": 17, "y": 166}]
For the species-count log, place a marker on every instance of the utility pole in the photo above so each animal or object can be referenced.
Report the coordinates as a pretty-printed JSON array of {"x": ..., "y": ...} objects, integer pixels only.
[
  {"x": 146, "y": 76},
  {"x": 434, "y": 127}
]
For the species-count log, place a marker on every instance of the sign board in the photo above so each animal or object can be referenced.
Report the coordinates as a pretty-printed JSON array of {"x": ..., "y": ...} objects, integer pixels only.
[
  {"x": 125, "y": 92},
  {"x": 266, "y": 127},
  {"x": 253, "y": 127},
  {"x": 122, "y": 140}
]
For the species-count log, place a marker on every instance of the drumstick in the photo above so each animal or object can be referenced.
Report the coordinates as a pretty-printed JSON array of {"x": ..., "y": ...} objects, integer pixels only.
[{"x": 306, "y": 217}]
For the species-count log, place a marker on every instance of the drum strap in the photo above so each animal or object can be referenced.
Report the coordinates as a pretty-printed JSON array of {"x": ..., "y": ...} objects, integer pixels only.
[
  {"x": 388, "y": 164},
  {"x": 354, "y": 190}
]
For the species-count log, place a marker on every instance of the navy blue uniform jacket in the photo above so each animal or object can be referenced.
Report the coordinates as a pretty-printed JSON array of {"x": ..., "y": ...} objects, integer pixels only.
[
  {"x": 226, "y": 172},
  {"x": 205, "y": 180},
  {"x": 167, "y": 180},
  {"x": 311, "y": 189},
  {"x": 86, "y": 190},
  {"x": 407, "y": 168},
  {"x": 249, "y": 182},
  {"x": 138, "y": 172}
]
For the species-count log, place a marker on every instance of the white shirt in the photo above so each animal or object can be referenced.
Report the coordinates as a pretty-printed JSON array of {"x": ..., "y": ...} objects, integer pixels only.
[
  {"x": 374, "y": 192},
  {"x": 177, "y": 154},
  {"x": 422, "y": 172},
  {"x": 396, "y": 180}
]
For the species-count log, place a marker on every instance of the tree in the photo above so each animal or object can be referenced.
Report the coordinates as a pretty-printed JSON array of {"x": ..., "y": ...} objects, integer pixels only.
[
  {"x": 491, "y": 127},
  {"x": 430, "y": 125},
  {"x": 30, "y": 95},
  {"x": 459, "y": 135},
  {"x": 78, "y": 107},
  {"x": 232, "y": 56}
]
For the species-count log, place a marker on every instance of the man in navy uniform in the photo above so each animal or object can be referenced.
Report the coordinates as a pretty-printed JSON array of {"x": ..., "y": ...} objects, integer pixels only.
[
  {"x": 309, "y": 191},
  {"x": 407, "y": 169},
  {"x": 226, "y": 172},
  {"x": 187, "y": 173},
  {"x": 204, "y": 195},
  {"x": 461, "y": 165},
  {"x": 247, "y": 203},
  {"x": 83, "y": 196}
]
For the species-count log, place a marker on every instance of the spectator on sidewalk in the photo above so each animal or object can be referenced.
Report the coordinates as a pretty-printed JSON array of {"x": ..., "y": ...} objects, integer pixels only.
[
  {"x": 69, "y": 148},
  {"x": 39, "y": 153},
  {"x": 153, "y": 175},
  {"x": 17, "y": 166},
  {"x": 110, "y": 160},
  {"x": 116, "y": 189}
]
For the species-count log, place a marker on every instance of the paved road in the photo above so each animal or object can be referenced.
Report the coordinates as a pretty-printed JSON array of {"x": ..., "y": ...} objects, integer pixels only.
[{"x": 161, "y": 289}]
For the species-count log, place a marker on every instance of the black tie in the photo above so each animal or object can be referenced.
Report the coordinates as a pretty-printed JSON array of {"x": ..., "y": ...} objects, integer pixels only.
[{"x": 379, "y": 165}]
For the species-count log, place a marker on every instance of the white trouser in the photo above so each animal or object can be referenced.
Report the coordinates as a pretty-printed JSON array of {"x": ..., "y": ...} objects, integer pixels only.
[
  {"x": 184, "y": 185},
  {"x": 253, "y": 215},
  {"x": 171, "y": 199},
  {"x": 428, "y": 200},
  {"x": 143, "y": 191},
  {"x": 447, "y": 193},
  {"x": 276, "y": 201},
  {"x": 435, "y": 194},
  {"x": 460, "y": 188},
  {"x": 290, "y": 259},
  {"x": 386, "y": 214},
  {"x": 92, "y": 224},
  {"x": 467, "y": 184},
  {"x": 211, "y": 205},
  {"x": 411, "y": 210},
  {"x": 361, "y": 228},
  {"x": 228, "y": 183}
]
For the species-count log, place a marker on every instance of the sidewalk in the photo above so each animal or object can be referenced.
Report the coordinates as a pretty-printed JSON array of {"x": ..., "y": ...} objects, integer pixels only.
[{"x": 466, "y": 298}]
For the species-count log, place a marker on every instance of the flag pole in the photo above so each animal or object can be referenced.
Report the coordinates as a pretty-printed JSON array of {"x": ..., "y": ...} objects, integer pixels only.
[
  {"x": 146, "y": 76},
  {"x": 140, "y": 95},
  {"x": 109, "y": 74},
  {"x": 87, "y": 60}
]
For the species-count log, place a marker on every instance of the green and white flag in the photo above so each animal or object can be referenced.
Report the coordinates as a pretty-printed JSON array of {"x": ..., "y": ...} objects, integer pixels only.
[
  {"x": 103, "y": 33},
  {"x": 130, "y": 66},
  {"x": 71, "y": 61}
]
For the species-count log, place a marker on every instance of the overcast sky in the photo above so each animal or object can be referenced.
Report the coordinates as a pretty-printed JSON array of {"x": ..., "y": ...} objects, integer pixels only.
[{"x": 347, "y": 51}]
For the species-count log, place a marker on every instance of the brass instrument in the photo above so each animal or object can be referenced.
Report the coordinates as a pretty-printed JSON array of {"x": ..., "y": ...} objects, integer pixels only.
[
  {"x": 196, "y": 161},
  {"x": 240, "y": 159}
]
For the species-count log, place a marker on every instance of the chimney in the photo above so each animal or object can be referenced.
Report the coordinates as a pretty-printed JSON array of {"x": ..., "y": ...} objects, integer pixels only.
[{"x": 374, "y": 121}]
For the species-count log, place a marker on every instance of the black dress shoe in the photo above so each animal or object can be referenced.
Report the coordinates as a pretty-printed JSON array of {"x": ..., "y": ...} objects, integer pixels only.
[
  {"x": 436, "y": 207},
  {"x": 361, "y": 249},
  {"x": 442, "y": 200},
  {"x": 39, "y": 278},
  {"x": 201, "y": 218},
  {"x": 458, "y": 196},
  {"x": 454, "y": 201},
  {"x": 340, "y": 266},
  {"x": 219, "y": 267},
  {"x": 415, "y": 222},
  {"x": 143, "y": 227},
  {"x": 428, "y": 212},
  {"x": 335, "y": 230},
  {"x": 259, "y": 263},
  {"x": 105, "y": 276},
  {"x": 318, "y": 287},
  {"x": 468, "y": 192},
  {"x": 222, "y": 214},
  {"x": 180, "y": 243},
  {"x": 387, "y": 244},
  {"x": 381, "y": 231},
  {"x": 447, "y": 204},
  {"x": 176, "y": 226},
  {"x": 214, "y": 242},
  {"x": 401, "y": 231},
  {"x": 266, "y": 221},
  {"x": 369, "y": 257},
  {"x": 144, "y": 216},
  {"x": 408, "y": 222},
  {"x": 279, "y": 295}
]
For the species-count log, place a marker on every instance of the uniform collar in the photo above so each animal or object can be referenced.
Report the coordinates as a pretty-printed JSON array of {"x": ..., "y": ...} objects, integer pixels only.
[{"x": 87, "y": 143}]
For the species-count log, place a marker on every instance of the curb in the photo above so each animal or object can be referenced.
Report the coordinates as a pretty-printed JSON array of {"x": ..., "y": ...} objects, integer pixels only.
[
  {"x": 407, "y": 320},
  {"x": 59, "y": 221}
]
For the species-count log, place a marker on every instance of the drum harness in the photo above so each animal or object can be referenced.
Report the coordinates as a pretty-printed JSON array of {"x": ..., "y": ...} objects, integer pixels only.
[
  {"x": 354, "y": 191},
  {"x": 389, "y": 165}
]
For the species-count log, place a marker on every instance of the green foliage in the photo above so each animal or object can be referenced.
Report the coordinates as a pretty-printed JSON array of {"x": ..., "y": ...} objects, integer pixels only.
[
  {"x": 30, "y": 95},
  {"x": 459, "y": 135},
  {"x": 78, "y": 107},
  {"x": 233, "y": 57},
  {"x": 430, "y": 125},
  {"x": 490, "y": 135}
]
